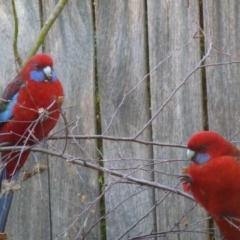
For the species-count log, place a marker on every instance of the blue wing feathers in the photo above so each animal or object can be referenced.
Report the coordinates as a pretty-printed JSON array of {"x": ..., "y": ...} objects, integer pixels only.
[
  {"x": 8, "y": 112},
  {"x": 9, "y": 98}
]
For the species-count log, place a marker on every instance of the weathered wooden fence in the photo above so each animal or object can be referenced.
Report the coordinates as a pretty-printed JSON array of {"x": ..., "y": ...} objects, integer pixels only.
[{"x": 134, "y": 86}]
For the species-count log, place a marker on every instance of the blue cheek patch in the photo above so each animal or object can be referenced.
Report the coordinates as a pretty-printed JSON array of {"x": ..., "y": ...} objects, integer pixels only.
[
  {"x": 39, "y": 76},
  {"x": 54, "y": 76},
  {"x": 201, "y": 158},
  {"x": 8, "y": 113}
]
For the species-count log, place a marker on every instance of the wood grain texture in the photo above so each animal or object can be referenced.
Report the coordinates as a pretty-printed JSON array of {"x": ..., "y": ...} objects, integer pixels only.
[
  {"x": 121, "y": 64},
  {"x": 175, "y": 53},
  {"x": 221, "y": 21},
  {"x": 132, "y": 38},
  {"x": 223, "y": 83},
  {"x": 74, "y": 189}
]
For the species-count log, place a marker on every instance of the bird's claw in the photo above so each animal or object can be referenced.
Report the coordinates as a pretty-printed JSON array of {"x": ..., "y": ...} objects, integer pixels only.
[{"x": 185, "y": 178}]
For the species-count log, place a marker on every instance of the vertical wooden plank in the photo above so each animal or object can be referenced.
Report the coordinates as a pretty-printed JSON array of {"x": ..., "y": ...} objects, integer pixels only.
[
  {"x": 172, "y": 25},
  {"x": 221, "y": 20},
  {"x": 28, "y": 217},
  {"x": 121, "y": 64},
  {"x": 74, "y": 189}
]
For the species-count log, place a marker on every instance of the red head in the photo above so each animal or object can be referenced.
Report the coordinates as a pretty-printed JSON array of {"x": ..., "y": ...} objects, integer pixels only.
[
  {"x": 39, "y": 68},
  {"x": 207, "y": 144}
]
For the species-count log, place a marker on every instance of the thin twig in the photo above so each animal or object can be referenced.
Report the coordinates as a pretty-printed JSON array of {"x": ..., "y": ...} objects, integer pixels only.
[
  {"x": 47, "y": 26},
  {"x": 120, "y": 139},
  {"x": 15, "y": 37}
]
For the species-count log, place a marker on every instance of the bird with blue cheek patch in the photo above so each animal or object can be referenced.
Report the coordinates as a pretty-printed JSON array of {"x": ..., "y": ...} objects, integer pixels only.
[
  {"x": 213, "y": 178},
  {"x": 34, "y": 91},
  {"x": 45, "y": 74}
]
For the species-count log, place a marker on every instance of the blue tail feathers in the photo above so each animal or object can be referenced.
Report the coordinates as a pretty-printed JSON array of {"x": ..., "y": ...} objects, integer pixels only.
[{"x": 5, "y": 201}]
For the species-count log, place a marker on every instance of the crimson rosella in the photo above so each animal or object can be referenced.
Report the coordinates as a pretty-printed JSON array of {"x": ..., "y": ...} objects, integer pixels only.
[
  {"x": 213, "y": 178},
  {"x": 29, "y": 109}
]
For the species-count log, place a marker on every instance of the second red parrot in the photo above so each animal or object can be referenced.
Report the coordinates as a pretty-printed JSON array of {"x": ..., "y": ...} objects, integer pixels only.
[{"x": 213, "y": 178}]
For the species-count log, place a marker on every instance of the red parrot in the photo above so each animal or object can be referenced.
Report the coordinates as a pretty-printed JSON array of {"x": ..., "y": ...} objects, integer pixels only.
[
  {"x": 29, "y": 109},
  {"x": 213, "y": 178}
]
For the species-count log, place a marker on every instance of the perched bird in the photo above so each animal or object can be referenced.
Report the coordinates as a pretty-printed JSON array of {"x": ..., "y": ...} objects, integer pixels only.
[
  {"x": 29, "y": 109},
  {"x": 213, "y": 178}
]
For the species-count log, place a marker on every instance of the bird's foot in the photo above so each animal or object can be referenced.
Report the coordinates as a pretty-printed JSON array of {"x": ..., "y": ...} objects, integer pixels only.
[{"x": 185, "y": 178}]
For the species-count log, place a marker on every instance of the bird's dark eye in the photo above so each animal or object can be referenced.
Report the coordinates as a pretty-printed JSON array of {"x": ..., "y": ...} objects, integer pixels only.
[
  {"x": 202, "y": 148},
  {"x": 36, "y": 66}
]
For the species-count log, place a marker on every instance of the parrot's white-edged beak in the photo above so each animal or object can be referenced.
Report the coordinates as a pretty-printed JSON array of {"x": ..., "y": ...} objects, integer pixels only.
[
  {"x": 48, "y": 72},
  {"x": 190, "y": 154}
]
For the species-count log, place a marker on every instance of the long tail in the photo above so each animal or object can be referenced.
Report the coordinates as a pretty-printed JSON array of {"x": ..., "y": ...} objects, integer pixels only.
[
  {"x": 13, "y": 162},
  {"x": 5, "y": 201}
]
